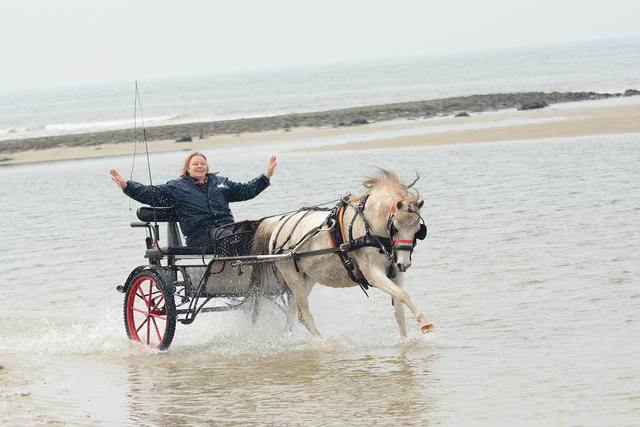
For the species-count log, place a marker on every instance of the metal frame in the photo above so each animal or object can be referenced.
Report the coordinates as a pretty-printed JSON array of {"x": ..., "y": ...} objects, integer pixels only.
[{"x": 192, "y": 298}]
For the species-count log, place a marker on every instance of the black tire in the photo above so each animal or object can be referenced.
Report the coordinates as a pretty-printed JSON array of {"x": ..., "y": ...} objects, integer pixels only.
[{"x": 150, "y": 310}]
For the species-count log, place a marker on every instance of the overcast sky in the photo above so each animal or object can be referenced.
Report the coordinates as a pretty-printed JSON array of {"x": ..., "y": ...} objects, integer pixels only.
[{"x": 50, "y": 43}]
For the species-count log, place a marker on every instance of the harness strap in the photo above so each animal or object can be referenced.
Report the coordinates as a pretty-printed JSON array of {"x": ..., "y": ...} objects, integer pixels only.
[
  {"x": 280, "y": 248},
  {"x": 358, "y": 243},
  {"x": 338, "y": 239},
  {"x": 340, "y": 245},
  {"x": 393, "y": 206},
  {"x": 336, "y": 235}
]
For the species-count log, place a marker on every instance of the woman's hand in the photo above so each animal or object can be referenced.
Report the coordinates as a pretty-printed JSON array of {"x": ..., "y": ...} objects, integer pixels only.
[
  {"x": 115, "y": 176},
  {"x": 270, "y": 168}
]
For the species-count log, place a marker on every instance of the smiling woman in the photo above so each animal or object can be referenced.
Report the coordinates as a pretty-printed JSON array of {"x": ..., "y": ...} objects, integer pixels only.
[{"x": 201, "y": 199}]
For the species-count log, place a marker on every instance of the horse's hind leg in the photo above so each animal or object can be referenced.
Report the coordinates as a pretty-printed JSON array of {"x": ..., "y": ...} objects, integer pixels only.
[
  {"x": 292, "y": 313},
  {"x": 301, "y": 286}
]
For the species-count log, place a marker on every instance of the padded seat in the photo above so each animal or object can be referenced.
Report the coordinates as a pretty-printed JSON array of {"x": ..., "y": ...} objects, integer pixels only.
[{"x": 238, "y": 243}]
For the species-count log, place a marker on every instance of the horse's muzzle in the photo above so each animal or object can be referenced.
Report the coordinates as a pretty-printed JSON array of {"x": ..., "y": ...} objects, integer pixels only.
[{"x": 403, "y": 267}]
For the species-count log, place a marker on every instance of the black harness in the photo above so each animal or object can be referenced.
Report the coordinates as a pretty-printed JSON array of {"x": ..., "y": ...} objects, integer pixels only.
[
  {"x": 342, "y": 245},
  {"x": 339, "y": 241}
]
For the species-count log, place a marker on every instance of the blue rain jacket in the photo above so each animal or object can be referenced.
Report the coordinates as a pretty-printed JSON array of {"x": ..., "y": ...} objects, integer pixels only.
[{"x": 198, "y": 208}]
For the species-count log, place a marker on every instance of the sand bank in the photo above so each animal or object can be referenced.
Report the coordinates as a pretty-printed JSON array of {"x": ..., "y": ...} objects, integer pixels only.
[
  {"x": 612, "y": 115},
  {"x": 558, "y": 121}
]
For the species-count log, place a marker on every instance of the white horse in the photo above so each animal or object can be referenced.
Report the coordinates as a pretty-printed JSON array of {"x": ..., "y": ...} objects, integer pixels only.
[{"x": 367, "y": 240}]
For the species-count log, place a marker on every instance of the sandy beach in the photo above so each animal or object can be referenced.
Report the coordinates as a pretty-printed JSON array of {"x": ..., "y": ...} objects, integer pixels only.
[{"x": 613, "y": 115}]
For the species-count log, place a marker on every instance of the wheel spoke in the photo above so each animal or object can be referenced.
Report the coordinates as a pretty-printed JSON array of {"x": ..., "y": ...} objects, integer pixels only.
[
  {"x": 155, "y": 307},
  {"x": 157, "y": 316},
  {"x": 155, "y": 325},
  {"x": 148, "y": 332},
  {"x": 140, "y": 293},
  {"x": 141, "y": 325}
]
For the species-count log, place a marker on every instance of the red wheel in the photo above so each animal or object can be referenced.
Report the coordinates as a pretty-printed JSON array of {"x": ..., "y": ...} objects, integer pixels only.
[{"x": 150, "y": 311}]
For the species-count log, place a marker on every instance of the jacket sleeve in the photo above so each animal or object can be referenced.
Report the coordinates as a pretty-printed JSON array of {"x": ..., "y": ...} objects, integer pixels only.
[
  {"x": 152, "y": 195},
  {"x": 239, "y": 192}
]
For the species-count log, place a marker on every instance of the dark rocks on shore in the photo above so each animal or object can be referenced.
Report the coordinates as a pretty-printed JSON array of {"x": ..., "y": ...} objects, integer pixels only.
[
  {"x": 359, "y": 122},
  {"x": 534, "y": 105},
  {"x": 355, "y": 122},
  {"x": 462, "y": 114},
  {"x": 184, "y": 139},
  {"x": 333, "y": 118}
]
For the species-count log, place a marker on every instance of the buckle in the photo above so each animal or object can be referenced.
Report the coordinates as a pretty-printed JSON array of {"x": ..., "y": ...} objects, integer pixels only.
[
  {"x": 348, "y": 264},
  {"x": 345, "y": 247}
]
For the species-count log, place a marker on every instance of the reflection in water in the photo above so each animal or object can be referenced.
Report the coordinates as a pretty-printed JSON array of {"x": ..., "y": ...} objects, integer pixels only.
[
  {"x": 299, "y": 386},
  {"x": 529, "y": 271}
]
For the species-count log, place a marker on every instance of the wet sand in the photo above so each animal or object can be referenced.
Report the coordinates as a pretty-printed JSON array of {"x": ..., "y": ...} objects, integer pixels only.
[
  {"x": 601, "y": 115},
  {"x": 559, "y": 121}
]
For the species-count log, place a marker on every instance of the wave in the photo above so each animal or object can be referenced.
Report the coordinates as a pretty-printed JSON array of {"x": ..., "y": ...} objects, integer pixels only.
[{"x": 54, "y": 129}]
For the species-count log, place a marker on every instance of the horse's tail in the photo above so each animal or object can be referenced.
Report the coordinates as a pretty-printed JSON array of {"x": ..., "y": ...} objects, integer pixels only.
[
  {"x": 262, "y": 236},
  {"x": 264, "y": 273}
]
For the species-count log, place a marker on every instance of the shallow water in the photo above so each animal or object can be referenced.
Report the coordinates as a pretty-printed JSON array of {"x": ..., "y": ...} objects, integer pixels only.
[{"x": 529, "y": 271}]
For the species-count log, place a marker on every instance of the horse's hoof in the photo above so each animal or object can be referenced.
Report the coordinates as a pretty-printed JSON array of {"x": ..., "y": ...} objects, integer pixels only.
[{"x": 428, "y": 328}]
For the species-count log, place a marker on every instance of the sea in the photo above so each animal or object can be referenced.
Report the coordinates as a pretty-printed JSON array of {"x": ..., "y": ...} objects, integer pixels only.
[
  {"x": 530, "y": 270},
  {"x": 604, "y": 66}
]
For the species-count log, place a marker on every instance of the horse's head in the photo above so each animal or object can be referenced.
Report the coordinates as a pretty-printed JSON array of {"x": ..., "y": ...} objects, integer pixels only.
[
  {"x": 404, "y": 223},
  {"x": 405, "y": 227}
]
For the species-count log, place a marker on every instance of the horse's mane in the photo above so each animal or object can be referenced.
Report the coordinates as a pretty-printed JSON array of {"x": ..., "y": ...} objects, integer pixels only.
[{"x": 385, "y": 181}]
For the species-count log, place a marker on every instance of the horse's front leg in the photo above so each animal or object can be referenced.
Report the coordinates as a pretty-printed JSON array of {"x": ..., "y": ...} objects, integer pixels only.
[
  {"x": 378, "y": 278},
  {"x": 398, "y": 308}
]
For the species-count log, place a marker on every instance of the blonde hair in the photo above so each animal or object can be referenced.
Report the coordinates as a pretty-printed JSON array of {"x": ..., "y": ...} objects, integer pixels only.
[{"x": 185, "y": 168}]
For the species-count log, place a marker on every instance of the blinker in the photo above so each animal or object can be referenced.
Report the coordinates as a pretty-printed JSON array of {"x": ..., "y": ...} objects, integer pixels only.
[{"x": 422, "y": 233}]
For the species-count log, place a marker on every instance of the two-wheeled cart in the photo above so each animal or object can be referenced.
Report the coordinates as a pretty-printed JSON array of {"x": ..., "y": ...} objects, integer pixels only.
[{"x": 180, "y": 282}]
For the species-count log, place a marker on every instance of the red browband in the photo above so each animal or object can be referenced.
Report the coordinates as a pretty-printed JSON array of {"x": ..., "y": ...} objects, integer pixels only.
[{"x": 393, "y": 206}]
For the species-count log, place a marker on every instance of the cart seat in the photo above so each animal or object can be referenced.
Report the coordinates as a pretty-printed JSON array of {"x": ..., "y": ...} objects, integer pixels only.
[{"x": 237, "y": 243}]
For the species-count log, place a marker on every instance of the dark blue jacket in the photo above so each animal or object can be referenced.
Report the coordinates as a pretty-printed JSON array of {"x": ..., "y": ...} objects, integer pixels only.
[{"x": 198, "y": 208}]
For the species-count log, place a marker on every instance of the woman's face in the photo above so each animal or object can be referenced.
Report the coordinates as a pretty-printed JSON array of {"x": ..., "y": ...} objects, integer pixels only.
[{"x": 198, "y": 167}]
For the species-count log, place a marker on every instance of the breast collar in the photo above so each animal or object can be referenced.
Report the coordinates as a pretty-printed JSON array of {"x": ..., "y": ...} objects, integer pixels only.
[{"x": 343, "y": 246}]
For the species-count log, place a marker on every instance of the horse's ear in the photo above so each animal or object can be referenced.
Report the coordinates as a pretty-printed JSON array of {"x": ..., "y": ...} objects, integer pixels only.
[
  {"x": 420, "y": 204},
  {"x": 399, "y": 205}
]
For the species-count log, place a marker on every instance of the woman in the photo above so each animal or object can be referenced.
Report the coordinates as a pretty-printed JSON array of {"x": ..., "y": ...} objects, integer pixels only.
[{"x": 200, "y": 199}]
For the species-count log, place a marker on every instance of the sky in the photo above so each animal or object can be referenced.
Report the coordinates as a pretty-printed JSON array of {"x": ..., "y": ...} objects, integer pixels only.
[{"x": 52, "y": 43}]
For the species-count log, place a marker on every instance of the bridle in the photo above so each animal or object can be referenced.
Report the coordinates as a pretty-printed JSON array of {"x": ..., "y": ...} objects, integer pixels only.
[
  {"x": 388, "y": 246},
  {"x": 404, "y": 245}
]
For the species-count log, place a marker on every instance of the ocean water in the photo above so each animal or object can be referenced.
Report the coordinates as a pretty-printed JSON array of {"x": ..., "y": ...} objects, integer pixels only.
[
  {"x": 530, "y": 271},
  {"x": 605, "y": 66}
]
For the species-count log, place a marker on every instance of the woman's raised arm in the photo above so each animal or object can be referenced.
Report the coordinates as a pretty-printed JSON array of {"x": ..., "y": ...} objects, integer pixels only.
[
  {"x": 271, "y": 167},
  {"x": 115, "y": 176}
]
